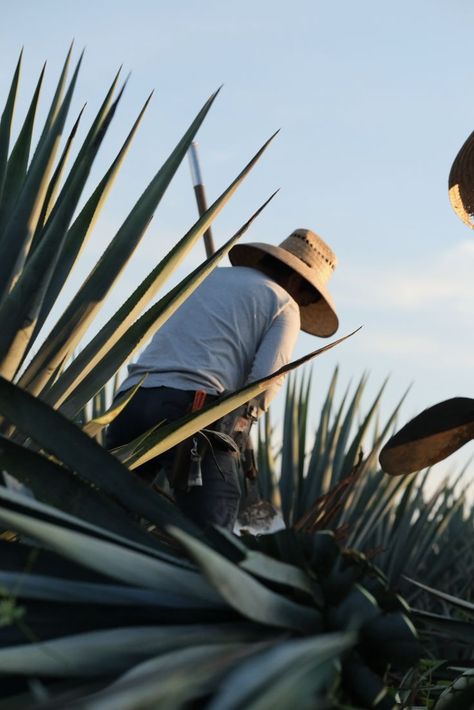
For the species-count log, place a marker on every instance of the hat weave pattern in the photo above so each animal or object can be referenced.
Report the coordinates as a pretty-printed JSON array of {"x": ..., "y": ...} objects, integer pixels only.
[{"x": 310, "y": 248}]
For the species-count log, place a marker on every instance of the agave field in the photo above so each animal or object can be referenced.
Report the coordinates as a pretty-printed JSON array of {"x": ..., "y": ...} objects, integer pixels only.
[{"x": 109, "y": 597}]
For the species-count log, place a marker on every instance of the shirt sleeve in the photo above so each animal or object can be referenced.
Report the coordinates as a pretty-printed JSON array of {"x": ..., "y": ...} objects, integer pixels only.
[{"x": 275, "y": 350}]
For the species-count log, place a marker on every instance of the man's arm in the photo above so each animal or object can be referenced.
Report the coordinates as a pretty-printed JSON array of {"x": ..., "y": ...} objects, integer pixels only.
[{"x": 275, "y": 350}]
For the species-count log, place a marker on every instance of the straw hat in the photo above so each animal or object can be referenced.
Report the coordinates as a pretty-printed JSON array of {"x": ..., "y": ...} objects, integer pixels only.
[
  {"x": 461, "y": 182},
  {"x": 309, "y": 256}
]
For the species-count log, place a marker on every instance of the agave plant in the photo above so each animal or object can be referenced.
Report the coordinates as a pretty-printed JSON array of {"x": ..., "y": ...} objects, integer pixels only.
[
  {"x": 108, "y": 595},
  {"x": 100, "y": 619},
  {"x": 322, "y": 481},
  {"x": 113, "y": 614}
]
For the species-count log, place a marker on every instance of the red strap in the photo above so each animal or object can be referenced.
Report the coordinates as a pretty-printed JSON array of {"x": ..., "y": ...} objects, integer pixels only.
[{"x": 199, "y": 399}]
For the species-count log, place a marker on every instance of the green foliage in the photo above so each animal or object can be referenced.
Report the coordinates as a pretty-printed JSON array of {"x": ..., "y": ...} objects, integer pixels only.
[
  {"x": 447, "y": 684},
  {"x": 10, "y": 612},
  {"x": 108, "y": 595},
  {"x": 107, "y": 614},
  {"x": 322, "y": 481}
]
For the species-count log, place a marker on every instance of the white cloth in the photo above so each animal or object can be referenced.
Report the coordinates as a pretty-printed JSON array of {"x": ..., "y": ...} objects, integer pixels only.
[{"x": 238, "y": 326}]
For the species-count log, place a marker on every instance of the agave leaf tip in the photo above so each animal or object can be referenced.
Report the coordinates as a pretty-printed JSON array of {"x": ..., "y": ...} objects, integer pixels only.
[
  {"x": 125, "y": 82},
  {"x": 269, "y": 199},
  {"x": 269, "y": 140}
]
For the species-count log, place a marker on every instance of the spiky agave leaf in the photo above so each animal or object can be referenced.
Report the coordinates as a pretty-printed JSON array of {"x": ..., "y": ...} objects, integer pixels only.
[
  {"x": 81, "y": 454},
  {"x": 143, "y": 328},
  {"x": 55, "y": 485},
  {"x": 6, "y": 126},
  {"x": 103, "y": 415},
  {"x": 15, "y": 241},
  {"x": 84, "y": 306},
  {"x": 401, "y": 521},
  {"x": 19, "y": 157},
  {"x": 79, "y": 232},
  {"x": 89, "y": 360},
  {"x": 20, "y": 309}
]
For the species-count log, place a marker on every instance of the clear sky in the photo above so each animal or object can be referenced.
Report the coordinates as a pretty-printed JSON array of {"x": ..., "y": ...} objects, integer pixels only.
[{"x": 374, "y": 100}]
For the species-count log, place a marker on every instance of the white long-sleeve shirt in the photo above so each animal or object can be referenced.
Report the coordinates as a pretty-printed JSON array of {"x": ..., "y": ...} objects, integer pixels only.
[{"x": 238, "y": 326}]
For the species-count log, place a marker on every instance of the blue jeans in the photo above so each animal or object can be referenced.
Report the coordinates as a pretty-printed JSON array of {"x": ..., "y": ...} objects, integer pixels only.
[{"x": 217, "y": 501}]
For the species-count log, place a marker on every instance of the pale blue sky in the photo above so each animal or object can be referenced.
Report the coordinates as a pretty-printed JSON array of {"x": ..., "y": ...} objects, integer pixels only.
[{"x": 374, "y": 100}]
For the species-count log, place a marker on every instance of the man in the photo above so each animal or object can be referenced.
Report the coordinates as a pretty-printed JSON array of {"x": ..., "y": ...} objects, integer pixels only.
[{"x": 239, "y": 325}]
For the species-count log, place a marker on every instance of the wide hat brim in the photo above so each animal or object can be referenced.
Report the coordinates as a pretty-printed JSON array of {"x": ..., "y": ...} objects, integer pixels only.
[{"x": 318, "y": 318}]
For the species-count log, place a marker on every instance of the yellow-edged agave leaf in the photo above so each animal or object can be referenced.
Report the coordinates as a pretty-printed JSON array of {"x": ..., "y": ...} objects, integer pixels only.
[
  {"x": 143, "y": 328},
  {"x": 247, "y": 596},
  {"x": 84, "y": 306},
  {"x": 112, "y": 331},
  {"x": 95, "y": 133},
  {"x": 79, "y": 232},
  {"x": 57, "y": 99},
  {"x": 430, "y": 437},
  {"x": 104, "y": 114},
  {"x": 52, "y": 113},
  {"x": 53, "y": 187},
  {"x": 20, "y": 308},
  {"x": 72, "y": 240},
  {"x": 94, "y": 426},
  {"x": 16, "y": 239},
  {"x": 5, "y": 129},
  {"x": 173, "y": 433},
  {"x": 78, "y": 452},
  {"x": 18, "y": 160}
]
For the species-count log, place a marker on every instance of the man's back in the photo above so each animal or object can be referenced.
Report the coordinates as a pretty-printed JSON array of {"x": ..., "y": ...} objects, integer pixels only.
[{"x": 211, "y": 342}]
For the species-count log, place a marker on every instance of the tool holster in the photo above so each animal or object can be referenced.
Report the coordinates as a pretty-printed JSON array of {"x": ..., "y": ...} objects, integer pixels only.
[{"x": 230, "y": 434}]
